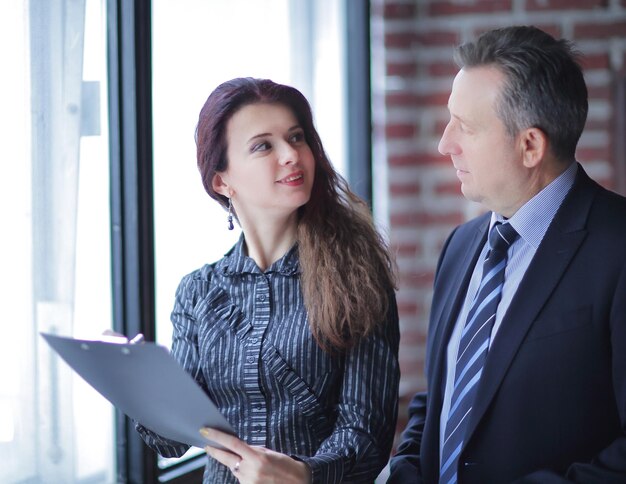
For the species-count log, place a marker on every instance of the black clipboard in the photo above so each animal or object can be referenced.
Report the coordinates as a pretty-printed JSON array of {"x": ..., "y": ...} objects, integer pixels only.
[{"x": 146, "y": 383}]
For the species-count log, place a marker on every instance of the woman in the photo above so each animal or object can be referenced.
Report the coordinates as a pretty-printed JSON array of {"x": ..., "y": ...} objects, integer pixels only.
[{"x": 294, "y": 333}]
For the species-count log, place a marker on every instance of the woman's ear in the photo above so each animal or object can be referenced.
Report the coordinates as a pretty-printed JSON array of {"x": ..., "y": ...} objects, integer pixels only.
[
  {"x": 534, "y": 145},
  {"x": 220, "y": 185}
]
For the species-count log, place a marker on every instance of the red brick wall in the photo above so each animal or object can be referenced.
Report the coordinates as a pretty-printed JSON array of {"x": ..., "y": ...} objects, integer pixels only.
[{"x": 412, "y": 72}]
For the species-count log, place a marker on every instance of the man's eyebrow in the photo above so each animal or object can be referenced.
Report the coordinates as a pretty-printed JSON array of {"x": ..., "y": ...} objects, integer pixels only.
[
  {"x": 457, "y": 117},
  {"x": 462, "y": 119}
]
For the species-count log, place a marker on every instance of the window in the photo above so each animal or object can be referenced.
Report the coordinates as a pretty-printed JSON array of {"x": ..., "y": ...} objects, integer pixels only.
[
  {"x": 75, "y": 164},
  {"x": 55, "y": 274}
]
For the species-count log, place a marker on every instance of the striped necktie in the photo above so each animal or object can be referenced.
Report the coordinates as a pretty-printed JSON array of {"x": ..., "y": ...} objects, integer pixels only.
[{"x": 473, "y": 348}]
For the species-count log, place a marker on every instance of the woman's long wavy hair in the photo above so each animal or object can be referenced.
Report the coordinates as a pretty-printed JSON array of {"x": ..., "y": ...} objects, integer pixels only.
[{"x": 347, "y": 273}]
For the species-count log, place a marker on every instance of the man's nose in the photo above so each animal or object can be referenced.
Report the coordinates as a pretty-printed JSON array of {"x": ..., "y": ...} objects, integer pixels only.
[{"x": 447, "y": 144}]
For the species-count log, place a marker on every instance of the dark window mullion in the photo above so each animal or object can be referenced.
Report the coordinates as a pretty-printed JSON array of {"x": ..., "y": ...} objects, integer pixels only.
[
  {"x": 358, "y": 95},
  {"x": 132, "y": 237}
]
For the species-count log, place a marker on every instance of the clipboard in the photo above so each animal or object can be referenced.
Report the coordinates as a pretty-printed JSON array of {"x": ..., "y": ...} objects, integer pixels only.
[{"x": 146, "y": 383}]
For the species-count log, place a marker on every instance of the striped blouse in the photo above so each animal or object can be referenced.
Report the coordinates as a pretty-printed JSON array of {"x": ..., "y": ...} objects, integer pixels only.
[{"x": 244, "y": 336}]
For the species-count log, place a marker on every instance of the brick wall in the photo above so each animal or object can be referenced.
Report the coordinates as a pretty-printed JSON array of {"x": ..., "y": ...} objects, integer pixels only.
[{"x": 412, "y": 72}]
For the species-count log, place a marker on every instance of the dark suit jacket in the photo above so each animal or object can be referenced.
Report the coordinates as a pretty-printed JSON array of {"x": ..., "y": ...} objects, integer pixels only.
[{"x": 551, "y": 402}]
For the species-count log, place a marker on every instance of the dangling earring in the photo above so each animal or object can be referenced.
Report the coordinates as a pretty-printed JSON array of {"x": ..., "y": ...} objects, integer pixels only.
[{"x": 230, "y": 214}]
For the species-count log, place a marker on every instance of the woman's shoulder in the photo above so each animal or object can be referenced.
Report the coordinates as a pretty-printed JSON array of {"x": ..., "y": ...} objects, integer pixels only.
[
  {"x": 207, "y": 272},
  {"x": 204, "y": 273},
  {"x": 199, "y": 281}
]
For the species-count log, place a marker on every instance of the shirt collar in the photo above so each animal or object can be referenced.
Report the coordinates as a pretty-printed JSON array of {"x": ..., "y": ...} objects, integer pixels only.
[
  {"x": 532, "y": 220},
  {"x": 235, "y": 262}
]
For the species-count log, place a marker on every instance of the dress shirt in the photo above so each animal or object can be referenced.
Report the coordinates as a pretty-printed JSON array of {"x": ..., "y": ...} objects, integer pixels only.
[
  {"x": 244, "y": 336},
  {"x": 531, "y": 222}
]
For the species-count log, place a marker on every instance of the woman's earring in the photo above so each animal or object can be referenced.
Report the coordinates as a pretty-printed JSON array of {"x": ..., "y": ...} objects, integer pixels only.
[{"x": 230, "y": 215}]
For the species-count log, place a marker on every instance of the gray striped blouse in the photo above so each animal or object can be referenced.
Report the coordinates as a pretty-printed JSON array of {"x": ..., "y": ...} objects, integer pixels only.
[{"x": 243, "y": 335}]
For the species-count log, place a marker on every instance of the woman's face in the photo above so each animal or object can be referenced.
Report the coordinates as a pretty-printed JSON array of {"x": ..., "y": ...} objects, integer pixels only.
[{"x": 270, "y": 165}]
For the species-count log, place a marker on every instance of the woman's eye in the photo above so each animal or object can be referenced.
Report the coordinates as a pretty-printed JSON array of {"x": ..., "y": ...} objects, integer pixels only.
[
  {"x": 263, "y": 146},
  {"x": 296, "y": 137}
]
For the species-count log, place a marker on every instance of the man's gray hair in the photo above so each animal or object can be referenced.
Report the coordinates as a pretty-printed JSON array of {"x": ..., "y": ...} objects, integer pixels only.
[{"x": 544, "y": 86}]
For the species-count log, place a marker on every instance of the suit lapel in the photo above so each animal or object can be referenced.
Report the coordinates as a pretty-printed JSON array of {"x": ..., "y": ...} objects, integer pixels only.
[
  {"x": 552, "y": 258},
  {"x": 454, "y": 299}
]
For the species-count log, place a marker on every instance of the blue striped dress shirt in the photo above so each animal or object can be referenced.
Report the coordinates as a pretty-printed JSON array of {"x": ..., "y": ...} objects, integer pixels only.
[
  {"x": 244, "y": 336},
  {"x": 531, "y": 222}
]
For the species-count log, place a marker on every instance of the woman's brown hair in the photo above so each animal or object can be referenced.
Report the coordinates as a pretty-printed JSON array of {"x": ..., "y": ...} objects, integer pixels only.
[{"x": 347, "y": 272}]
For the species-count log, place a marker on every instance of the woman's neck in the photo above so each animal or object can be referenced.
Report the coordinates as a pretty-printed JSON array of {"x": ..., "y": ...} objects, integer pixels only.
[{"x": 270, "y": 239}]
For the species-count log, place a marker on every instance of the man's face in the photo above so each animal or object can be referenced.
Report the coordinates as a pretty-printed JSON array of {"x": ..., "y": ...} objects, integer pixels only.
[{"x": 487, "y": 159}]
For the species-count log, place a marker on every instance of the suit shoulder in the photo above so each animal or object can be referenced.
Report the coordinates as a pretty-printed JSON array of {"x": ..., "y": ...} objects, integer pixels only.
[
  {"x": 612, "y": 200},
  {"x": 469, "y": 228},
  {"x": 608, "y": 212}
]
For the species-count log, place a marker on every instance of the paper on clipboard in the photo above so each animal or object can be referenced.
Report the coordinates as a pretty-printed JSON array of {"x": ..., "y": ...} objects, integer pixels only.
[{"x": 146, "y": 383}]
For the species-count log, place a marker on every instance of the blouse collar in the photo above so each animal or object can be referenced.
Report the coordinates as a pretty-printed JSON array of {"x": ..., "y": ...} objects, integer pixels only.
[{"x": 236, "y": 262}]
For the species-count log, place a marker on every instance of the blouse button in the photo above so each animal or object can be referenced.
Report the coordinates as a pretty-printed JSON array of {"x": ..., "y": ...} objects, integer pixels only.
[
  {"x": 262, "y": 297},
  {"x": 250, "y": 359},
  {"x": 254, "y": 340}
]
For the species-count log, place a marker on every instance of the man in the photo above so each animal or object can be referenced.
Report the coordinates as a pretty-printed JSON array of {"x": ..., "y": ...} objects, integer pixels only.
[{"x": 526, "y": 366}]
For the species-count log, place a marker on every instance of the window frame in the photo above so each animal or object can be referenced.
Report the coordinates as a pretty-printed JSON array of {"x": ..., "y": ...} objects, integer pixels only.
[{"x": 132, "y": 234}]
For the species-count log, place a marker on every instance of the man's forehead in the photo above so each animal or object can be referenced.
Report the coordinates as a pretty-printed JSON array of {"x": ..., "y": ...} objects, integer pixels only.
[{"x": 474, "y": 89}]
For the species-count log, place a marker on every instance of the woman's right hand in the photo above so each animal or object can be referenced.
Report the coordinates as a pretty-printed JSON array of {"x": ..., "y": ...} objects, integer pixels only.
[{"x": 255, "y": 465}]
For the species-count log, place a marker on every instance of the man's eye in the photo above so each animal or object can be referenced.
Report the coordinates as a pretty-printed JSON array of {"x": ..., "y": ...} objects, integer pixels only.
[{"x": 464, "y": 128}]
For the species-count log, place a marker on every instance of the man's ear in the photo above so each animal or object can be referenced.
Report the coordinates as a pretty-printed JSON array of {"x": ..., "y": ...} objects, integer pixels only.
[
  {"x": 534, "y": 146},
  {"x": 220, "y": 185}
]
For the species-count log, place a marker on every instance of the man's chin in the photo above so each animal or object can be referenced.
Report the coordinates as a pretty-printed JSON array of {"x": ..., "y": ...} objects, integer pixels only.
[{"x": 468, "y": 193}]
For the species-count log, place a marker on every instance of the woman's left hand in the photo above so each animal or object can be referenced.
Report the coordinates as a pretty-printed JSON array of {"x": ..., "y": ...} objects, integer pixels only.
[{"x": 251, "y": 464}]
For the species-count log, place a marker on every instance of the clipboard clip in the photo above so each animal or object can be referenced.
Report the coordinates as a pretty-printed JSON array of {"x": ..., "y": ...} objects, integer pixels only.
[
  {"x": 110, "y": 336},
  {"x": 137, "y": 339}
]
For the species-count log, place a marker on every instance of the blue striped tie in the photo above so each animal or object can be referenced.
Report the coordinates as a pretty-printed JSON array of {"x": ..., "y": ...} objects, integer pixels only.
[{"x": 473, "y": 348}]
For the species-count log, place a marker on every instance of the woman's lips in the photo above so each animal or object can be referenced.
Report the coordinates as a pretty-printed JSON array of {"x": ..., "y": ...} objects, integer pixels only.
[{"x": 294, "y": 179}]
